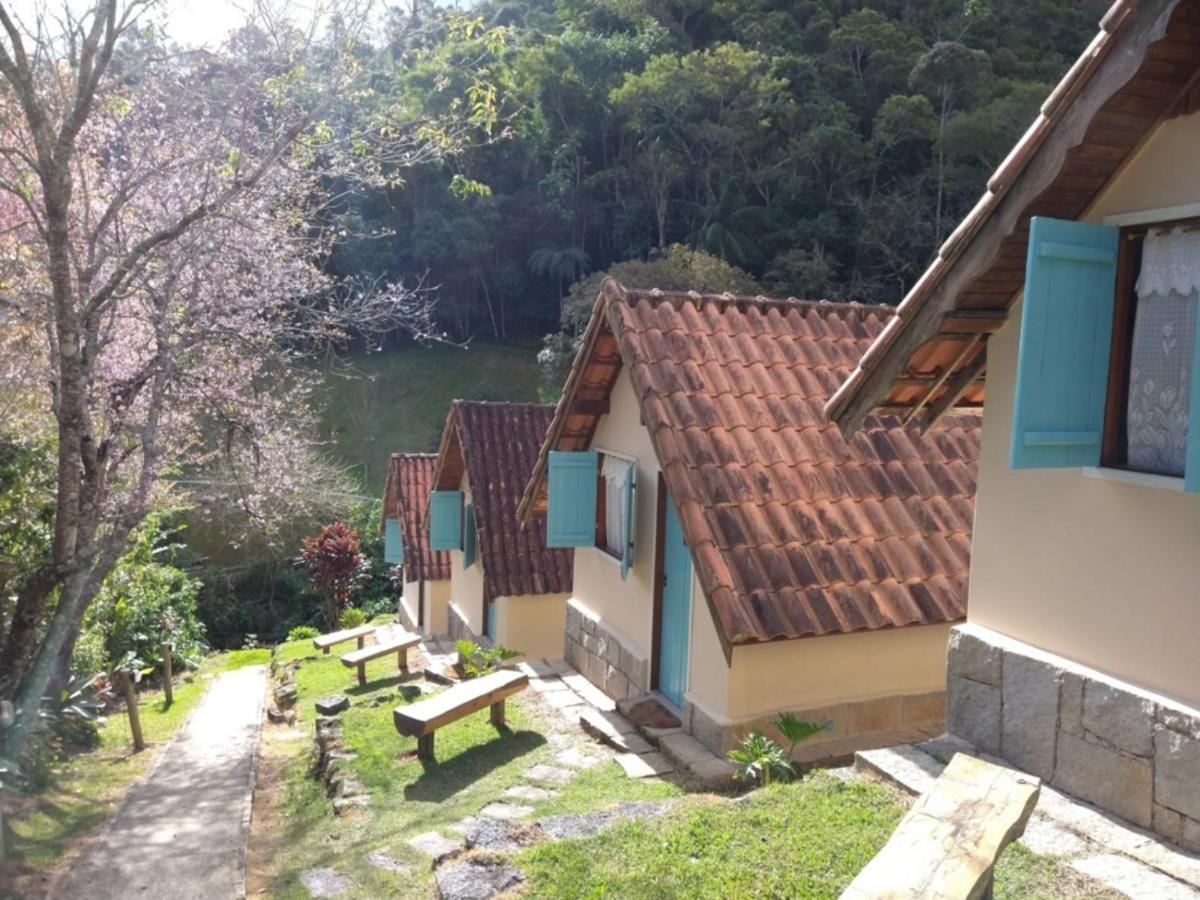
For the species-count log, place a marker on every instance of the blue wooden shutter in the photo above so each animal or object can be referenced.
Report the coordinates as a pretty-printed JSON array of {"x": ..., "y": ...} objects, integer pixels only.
[
  {"x": 629, "y": 513},
  {"x": 1066, "y": 332},
  {"x": 393, "y": 544},
  {"x": 469, "y": 536},
  {"x": 445, "y": 520},
  {"x": 571, "y": 513}
]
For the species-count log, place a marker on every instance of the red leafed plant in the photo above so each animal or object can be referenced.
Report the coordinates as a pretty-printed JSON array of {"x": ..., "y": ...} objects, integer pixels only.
[{"x": 335, "y": 562}]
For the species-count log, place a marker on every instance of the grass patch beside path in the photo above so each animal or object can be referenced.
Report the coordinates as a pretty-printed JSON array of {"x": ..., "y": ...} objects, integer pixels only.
[
  {"x": 83, "y": 790},
  {"x": 806, "y": 839},
  {"x": 296, "y": 827}
]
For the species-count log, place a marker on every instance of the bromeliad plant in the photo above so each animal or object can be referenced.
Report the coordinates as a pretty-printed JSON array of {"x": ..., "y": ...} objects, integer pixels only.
[
  {"x": 760, "y": 759},
  {"x": 477, "y": 661}
]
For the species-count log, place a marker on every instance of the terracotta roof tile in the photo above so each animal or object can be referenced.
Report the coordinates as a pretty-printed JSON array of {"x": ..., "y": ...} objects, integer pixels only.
[
  {"x": 793, "y": 530},
  {"x": 498, "y": 444},
  {"x": 406, "y": 497}
]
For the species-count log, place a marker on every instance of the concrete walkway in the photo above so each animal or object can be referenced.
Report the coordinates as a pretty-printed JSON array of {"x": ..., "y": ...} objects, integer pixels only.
[{"x": 182, "y": 832}]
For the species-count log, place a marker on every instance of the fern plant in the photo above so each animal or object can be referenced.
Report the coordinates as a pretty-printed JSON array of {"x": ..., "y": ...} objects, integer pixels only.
[
  {"x": 760, "y": 759},
  {"x": 794, "y": 729}
]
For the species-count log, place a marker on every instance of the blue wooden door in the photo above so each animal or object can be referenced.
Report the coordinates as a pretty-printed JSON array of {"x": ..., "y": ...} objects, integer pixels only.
[{"x": 676, "y": 609}]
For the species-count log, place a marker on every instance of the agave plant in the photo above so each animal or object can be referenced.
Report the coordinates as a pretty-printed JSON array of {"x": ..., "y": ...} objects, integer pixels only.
[
  {"x": 794, "y": 729},
  {"x": 760, "y": 759}
]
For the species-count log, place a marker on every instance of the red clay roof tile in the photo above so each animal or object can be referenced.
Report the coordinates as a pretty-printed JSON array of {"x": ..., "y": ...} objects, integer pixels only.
[
  {"x": 793, "y": 530},
  {"x": 406, "y": 497}
]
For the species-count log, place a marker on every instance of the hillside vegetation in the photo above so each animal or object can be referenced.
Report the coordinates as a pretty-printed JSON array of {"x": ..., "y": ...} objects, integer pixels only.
[{"x": 826, "y": 147}]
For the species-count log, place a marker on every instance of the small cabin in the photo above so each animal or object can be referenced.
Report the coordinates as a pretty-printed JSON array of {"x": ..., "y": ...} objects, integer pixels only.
[
  {"x": 507, "y": 586},
  {"x": 1065, "y": 307},
  {"x": 425, "y": 573},
  {"x": 734, "y": 554}
]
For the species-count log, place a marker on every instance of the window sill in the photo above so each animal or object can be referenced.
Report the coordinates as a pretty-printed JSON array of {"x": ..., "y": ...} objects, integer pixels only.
[
  {"x": 604, "y": 554},
  {"x": 1144, "y": 479}
]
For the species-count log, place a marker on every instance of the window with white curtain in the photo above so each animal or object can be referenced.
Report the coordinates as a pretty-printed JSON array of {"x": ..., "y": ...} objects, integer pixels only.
[
  {"x": 612, "y": 508},
  {"x": 1161, "y": 351}
]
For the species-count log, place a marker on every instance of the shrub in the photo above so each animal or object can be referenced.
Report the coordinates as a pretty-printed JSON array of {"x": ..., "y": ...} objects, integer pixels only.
[
  {"x": 476, "y": 661},
  {"x": 266, "y": 599},
  {"x": 794, "y": 729},
  {"x": 144, "y": 601},
  {"x": 352, "y": 618},
  {"x": 302, "y": 633},
  {"x": 334, "y": 560}
]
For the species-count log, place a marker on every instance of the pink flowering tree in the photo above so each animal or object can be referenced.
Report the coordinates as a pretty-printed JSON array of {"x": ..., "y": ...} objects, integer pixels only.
[{"x": 157, "y": 237}]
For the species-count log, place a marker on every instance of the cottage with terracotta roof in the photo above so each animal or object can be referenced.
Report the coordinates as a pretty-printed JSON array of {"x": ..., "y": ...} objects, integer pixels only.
[
  {"x": 505, "y": 584},
  {"x": 1073, "y": 286},
  {"x": 426, "y": 572},
  {"x": 733, "y": 552}
]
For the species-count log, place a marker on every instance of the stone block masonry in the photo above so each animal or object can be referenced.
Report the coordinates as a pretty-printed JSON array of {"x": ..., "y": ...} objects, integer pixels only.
[
  {"x": 602, "y": 657},
  {"x": 1126, "y": 750}
]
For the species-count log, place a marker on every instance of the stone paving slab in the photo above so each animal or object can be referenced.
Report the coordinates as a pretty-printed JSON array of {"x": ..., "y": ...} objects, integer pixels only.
[
  {"x": 476, "y": 879},
  {"x": 575, "y": 758},
  {"x": 548, "y": 774},
  {"x": 186, "y": 825},
  {"x": 1133, "y": 880},
  {"x": 646, "y": 765},
  {"x": 507, "y": 811},
  {"x": 381, "y": 859},
  {"x": 435, "y": 844},
  {"x": 528, "y": 792},
  {"x": 325, "y": 882}
]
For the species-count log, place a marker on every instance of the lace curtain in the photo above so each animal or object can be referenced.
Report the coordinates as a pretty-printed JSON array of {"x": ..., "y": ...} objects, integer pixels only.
[
  {"x": 614, "y": 471},
  {"x": 1164, "y": 333}
]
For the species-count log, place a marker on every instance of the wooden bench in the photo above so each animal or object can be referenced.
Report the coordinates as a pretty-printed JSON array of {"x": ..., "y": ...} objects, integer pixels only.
[
  {"x": 422, "y": 719},
  {"x": 324, "y": 641},
  {"x": 947, "y": 845},
  {"x": 396, "y": 642}
]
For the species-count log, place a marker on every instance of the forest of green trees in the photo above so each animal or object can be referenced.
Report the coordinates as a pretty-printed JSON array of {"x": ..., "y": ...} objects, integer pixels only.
[{"x": 823, "y": 146}]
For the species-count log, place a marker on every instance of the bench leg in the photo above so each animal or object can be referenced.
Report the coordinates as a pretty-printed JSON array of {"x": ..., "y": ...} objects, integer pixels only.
[
  {"x": 362, "y": 641},
  {"x": 325, "y": 650},
  {"x": 362, "y": 673},
  {"x": 498, "y": 713},
  {"x": 402, "y": 656},
  {"x": 425, "y": 747}
]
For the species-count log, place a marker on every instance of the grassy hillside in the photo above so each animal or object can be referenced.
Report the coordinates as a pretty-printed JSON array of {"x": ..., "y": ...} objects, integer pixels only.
[{"x": 397, "y": 400}]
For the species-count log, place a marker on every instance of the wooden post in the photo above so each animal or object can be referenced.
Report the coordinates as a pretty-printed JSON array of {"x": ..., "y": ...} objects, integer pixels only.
[
  {"x": 168, "y": 688},
  {"x": 498, "y": 714},
  {"x": 402, "y": 653},
  {"x": 362, "y": 673},
  {"x": 362, "y": 641},
  {"x": 135, "y": 724},
  {"x": 425, "y": 746}
]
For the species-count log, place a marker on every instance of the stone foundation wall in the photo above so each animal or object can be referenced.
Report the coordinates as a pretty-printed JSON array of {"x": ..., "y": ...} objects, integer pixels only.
[
  {"x": 603, "y": 658},
  {"x": 458, "y": 629},
  {"x": 857, "y": 725},
  {"x": 1105, "y": 741}
]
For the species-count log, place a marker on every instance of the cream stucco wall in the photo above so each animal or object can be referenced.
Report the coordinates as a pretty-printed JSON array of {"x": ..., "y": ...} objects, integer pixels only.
[
  {"x": 626, "y": 607},
  {"x": 466, "y": 585},
  {"x": 810, "y": 673},
  {"x": 1102, "y": 572},
  {"x": 437, "y": 595},
  {"x": 532, "y": 624}
]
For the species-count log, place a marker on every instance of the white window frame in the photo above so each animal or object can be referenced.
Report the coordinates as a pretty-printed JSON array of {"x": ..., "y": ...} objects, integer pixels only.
[{"x": 625, "y": 457}]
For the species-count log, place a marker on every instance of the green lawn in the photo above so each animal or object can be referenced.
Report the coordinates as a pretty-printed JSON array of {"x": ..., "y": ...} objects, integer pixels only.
[
  {"x": 806, "y": 839},
  {"x": 475, "y": 764},
  {"x": 396, "y": 401},
  {"x": 84, "y": 788}
]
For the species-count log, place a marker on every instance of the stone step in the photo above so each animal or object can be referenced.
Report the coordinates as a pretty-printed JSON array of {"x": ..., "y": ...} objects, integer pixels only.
[
  {"x": 700, "y": 763},
  {"x": 613, "y": 729}
]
